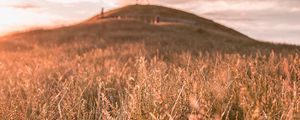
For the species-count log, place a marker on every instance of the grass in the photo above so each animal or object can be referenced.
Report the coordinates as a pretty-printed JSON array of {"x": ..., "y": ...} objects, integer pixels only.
[
  {"x": 132, "y": 70},
  {"x": 111, "y": 83}
]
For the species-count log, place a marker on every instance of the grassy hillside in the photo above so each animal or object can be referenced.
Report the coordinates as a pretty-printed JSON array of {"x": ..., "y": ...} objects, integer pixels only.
[{"x": 130, "y": 69}]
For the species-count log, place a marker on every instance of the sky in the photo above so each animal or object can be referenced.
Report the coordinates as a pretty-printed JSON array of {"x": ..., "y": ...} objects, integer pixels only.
[{"x": 267, "y": 20}]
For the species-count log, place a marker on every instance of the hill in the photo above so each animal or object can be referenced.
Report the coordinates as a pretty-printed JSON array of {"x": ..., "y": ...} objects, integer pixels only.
[
  {"x": 147, "y": 62},
  {"x": 177, "y": 29}
]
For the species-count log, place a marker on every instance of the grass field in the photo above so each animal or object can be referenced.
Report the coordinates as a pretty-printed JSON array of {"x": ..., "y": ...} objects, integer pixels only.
[{"x": 132, "y": 70}]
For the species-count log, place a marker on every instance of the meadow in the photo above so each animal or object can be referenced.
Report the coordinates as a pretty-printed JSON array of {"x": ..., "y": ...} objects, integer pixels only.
[
  {"x": 124, "y": 69},
  {"x": 109, "y": 83}
]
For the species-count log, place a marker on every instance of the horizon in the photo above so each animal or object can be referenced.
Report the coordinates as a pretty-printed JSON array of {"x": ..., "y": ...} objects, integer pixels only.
[{"x": 271, "y": 21}]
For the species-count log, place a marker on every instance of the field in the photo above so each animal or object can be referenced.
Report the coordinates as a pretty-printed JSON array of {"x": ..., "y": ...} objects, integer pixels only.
[{"x": 89, "y": 72}]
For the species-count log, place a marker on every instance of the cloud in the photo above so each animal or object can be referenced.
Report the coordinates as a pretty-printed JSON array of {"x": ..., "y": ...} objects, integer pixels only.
[
  {"x": 13, "y": 19},
  {"x": 24, "y": 6},
  {"x": 19, "y": 4},
  {"x": 126, "y": 2},
  {"x": 72, "y": 1},
  {"x": 18, "y": 15}
]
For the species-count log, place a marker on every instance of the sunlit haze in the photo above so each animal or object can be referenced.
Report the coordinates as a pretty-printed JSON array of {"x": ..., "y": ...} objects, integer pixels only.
[{"x": 268, "y": 20}]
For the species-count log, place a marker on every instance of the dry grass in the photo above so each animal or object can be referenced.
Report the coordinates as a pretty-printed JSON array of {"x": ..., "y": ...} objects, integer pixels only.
[
  {"x": 110, "y": 83},
  {"x": 133, "y": 70}
]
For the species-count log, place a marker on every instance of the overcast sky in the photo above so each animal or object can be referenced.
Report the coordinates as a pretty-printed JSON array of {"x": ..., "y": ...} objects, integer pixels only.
[{"x": 268, "y": 20}]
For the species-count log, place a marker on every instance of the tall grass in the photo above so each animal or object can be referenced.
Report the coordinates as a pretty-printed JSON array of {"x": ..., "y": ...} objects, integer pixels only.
[{"x": 125, "y": 82}]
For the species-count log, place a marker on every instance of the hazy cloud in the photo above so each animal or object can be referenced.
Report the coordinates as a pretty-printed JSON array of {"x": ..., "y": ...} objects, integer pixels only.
[
  {"x": 18, "y": 4},
  {"x": 72, "y": 1},
  {"x": 24, "y": 6}
]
